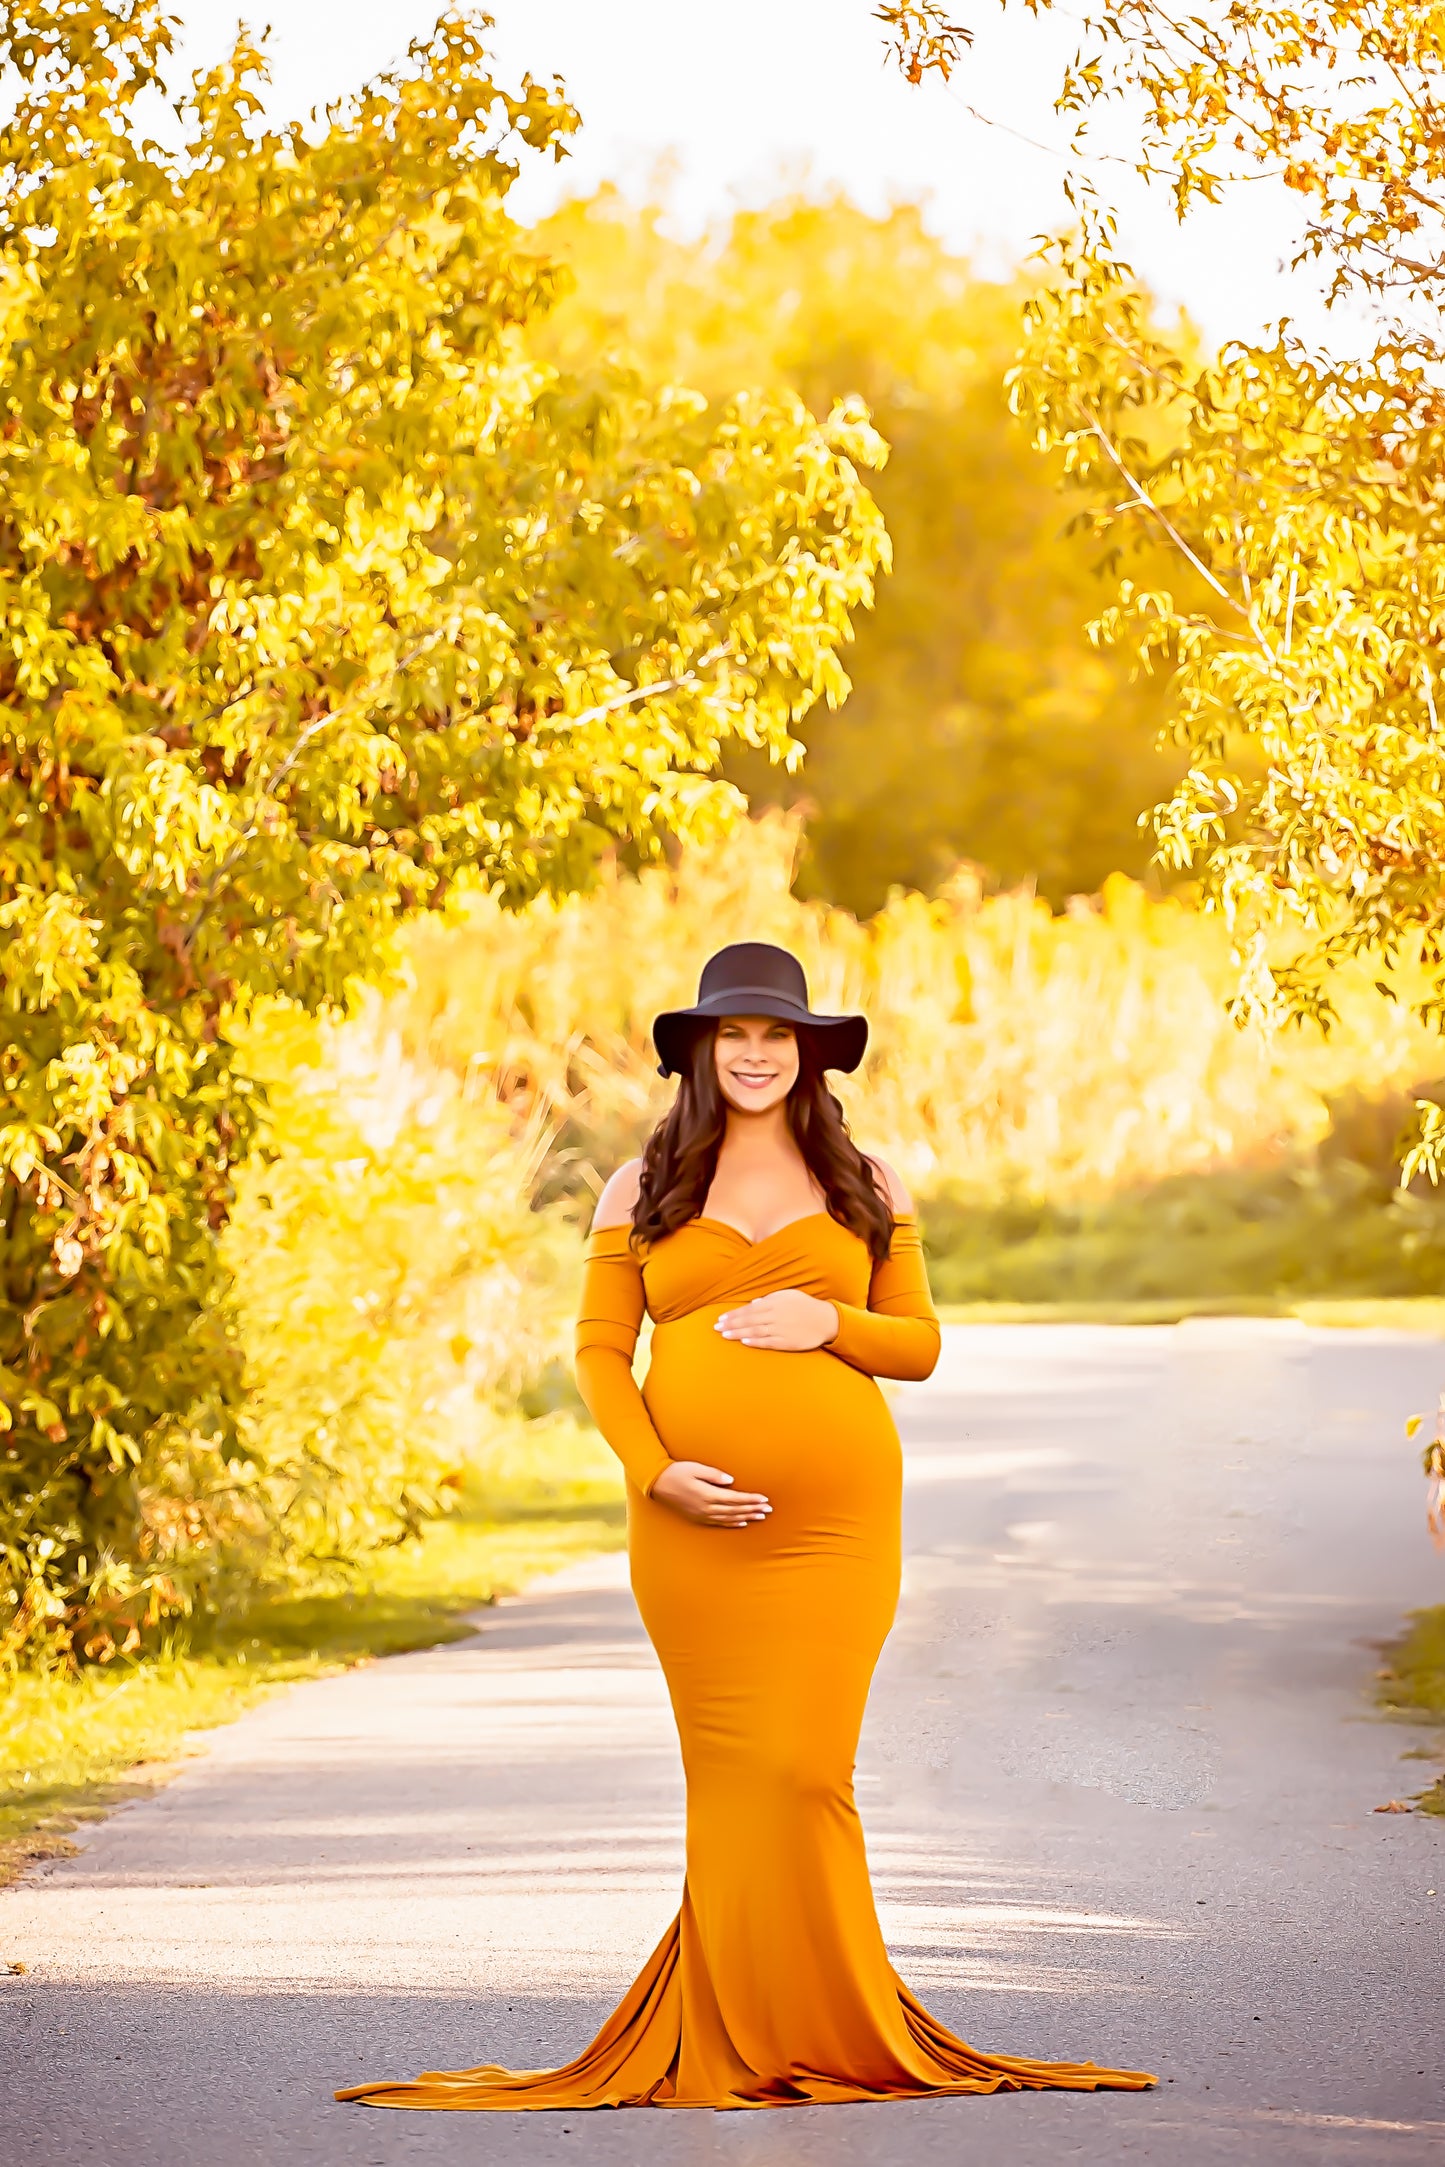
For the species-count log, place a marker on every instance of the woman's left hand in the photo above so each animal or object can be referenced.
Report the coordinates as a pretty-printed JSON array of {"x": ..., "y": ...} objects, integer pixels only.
[{"x": 790, "y": 1322}]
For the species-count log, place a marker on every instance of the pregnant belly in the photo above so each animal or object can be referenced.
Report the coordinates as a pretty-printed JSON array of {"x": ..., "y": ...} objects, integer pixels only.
[
  {"x": 812, "y": 1433},
  {"x": 816, "y": 1437}
]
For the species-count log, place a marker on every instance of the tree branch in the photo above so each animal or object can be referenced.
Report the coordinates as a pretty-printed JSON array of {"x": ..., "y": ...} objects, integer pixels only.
[
  {"x": 1156, "y": 511},
  {"x": 273, "y": 782},
  {"x": 268, "y": 790}
]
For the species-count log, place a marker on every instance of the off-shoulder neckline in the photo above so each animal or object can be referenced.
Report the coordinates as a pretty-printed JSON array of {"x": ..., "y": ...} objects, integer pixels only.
[
  {"x": 702, "y": 1218},
  {"x": 756, "y": 1241}
]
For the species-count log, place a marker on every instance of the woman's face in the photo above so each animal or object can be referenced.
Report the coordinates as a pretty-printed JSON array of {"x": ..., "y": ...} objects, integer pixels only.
[{"x": 757, "y": 1062}]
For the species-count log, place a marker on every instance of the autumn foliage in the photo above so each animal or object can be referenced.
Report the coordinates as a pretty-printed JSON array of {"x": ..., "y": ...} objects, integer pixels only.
[
  {"x": 383, "y": 588},
  {"x": 316, "y": 589},
  {"x": 982, "y": 722},
  {"x": 1296, "y": 491}
]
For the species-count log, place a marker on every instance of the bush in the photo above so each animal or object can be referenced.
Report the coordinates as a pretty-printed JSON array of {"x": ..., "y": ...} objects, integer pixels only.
[
  {"x": 1307, "y": 1228},
  {"x": 395, "y": 1291}
]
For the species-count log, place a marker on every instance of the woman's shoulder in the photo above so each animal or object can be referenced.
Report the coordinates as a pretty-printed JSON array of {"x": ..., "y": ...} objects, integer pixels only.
[
  {"x": 900, "y": 1202},
  {"x": 615, "y": 1205}
]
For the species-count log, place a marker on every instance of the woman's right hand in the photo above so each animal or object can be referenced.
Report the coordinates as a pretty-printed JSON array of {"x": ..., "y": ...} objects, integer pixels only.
[{"x": 706, "y": 1495}]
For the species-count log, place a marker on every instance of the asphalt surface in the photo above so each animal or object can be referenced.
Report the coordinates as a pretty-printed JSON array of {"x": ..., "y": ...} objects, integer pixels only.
[{"x": 1118, "y": 1776}]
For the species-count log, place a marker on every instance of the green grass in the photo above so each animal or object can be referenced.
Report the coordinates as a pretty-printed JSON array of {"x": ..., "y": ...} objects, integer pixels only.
[
  {"x": 1243, "y": 1240},
  {"x": 1325, "y": 1235},
  {"x": 72, "y": 1746},
  {"x": 1422, "y": 1316},
  {"x": 1412, "y": 1683}
]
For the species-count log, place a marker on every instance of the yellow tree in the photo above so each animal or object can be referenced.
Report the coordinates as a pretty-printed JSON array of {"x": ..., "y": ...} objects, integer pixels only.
[
  {"x": 981, "y": 723},
  {"x": 1298, "y": 493},
  {"x": 316, "y": 590}
]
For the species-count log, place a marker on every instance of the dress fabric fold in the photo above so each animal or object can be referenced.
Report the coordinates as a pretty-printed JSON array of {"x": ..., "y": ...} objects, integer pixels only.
[{"x": 772, "y": 1986}]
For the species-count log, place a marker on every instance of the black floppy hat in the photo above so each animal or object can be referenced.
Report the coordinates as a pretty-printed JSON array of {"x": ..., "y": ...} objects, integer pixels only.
[{"x": 753, "y": 978}]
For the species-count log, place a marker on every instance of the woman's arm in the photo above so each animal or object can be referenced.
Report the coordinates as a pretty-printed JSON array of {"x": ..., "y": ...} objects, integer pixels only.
[
  {"x": 608, "y": 1321},
  {"x": 897, "y": 1335}
]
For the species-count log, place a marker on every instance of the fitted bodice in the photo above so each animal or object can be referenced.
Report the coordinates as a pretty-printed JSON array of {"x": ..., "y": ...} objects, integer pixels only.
[
  {"x": 708, "y": 1264},
  {"x": 886, "y": 1325}
]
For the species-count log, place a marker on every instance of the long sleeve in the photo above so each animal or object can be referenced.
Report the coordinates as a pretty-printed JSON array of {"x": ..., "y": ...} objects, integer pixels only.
[
  {"x": 897, "y": 1335},
  {"x": 608, "y": 1320}
]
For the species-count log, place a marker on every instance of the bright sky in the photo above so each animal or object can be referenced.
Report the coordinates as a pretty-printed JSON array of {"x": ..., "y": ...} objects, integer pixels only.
[{"x": 738, "y": 96}]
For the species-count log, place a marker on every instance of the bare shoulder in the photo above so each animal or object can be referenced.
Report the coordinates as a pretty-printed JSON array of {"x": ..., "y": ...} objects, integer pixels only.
[
  {"x": 890, "y": 1184},
  {"x": 614, "y": 1206}
]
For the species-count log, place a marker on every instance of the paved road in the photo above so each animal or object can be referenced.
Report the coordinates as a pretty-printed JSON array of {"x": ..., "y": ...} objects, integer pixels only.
[{"x": 1118, "y": 1775}]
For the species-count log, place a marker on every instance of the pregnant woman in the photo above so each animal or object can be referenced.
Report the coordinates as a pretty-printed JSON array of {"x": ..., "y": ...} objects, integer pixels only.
[{"x": 783, "y": 1273}]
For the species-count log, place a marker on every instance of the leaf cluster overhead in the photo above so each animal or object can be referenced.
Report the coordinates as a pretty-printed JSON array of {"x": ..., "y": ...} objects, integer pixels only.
[{"x": 1297, "y": 491}]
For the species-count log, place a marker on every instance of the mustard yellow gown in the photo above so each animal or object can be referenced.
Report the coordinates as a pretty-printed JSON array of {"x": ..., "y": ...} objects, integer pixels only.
[{"x": 772, "y": 1986}]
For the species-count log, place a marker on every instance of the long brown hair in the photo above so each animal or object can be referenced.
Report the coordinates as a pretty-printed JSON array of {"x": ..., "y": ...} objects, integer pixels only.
[{"x": 679, "y": 1159}]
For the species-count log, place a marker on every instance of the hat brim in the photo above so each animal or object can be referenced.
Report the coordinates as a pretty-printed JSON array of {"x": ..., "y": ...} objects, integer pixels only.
[{"x": 840, "y": 1040}]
